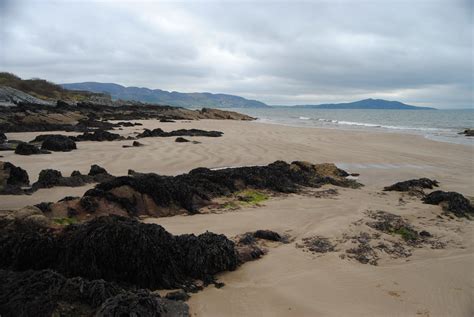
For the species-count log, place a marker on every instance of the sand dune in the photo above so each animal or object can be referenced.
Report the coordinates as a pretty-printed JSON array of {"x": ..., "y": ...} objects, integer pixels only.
[{"x": 288, "y": 281}]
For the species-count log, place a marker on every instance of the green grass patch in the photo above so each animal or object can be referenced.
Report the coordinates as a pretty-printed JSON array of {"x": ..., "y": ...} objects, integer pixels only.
[
  {"x": 407, "y": 234},
  {"x": 251, "y": 197},
  {"x": 66, "y": 221}
]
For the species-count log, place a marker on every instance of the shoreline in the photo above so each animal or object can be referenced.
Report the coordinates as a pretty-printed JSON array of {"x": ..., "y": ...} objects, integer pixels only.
[{"x": 461, "y": 140}]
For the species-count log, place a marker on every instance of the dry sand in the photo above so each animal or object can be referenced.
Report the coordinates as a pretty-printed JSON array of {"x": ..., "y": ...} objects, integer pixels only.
[{"x": 288, "y": 281}]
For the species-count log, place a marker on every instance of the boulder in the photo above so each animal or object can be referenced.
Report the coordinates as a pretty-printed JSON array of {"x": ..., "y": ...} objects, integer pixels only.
[
  {"x": 3, "y": 137},
  {"x": 451, "y": 202},
  {"x": 119, "y": 249},
  {"x": 29, "y": 149},
  {"x": 59, "y": 143},
  {"x": 413, "y": 184},
  {"x": 181, "y": 140},
  {"x": 99, "y": 135},
  {"x": 12, "y": 178}
]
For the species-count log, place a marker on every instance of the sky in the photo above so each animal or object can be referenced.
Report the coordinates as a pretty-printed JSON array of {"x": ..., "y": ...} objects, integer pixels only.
[{"x": 279, "y": 52}]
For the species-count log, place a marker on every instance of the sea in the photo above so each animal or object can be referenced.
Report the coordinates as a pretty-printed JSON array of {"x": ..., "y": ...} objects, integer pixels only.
[{"x": 439, "y": 125}]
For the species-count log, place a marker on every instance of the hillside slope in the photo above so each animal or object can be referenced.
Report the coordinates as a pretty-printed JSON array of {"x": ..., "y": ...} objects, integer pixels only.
[{"x": 165, "y": 97}]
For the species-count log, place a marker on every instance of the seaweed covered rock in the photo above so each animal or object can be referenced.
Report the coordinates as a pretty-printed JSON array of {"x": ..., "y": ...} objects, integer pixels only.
[
  {"x": 12, "y": 178},
  {"x": 29, "y": 149},
  {"x": 156, "y": 195},
  {"x": 267, "y": 235},
  {"x": 50, "y": 178},
  {"x": 48, "y": 293},
  {"x": 207, "y": 254},
  {"x": 117, "y": 249},
  {"x": 142, "y": 303},
  {"x": 99, "y": 135},
  {"x": 413, "y": 184},
  {"x": 452, "y": 202},
  {"x": 59, "y": 143},
  {"x": 181, "y": 132}
]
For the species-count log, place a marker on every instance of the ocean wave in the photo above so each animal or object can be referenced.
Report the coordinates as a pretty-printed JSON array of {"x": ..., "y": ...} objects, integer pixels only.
[
  {"x": 304, "y": 118},
  {"x": 375, "y": 125}
]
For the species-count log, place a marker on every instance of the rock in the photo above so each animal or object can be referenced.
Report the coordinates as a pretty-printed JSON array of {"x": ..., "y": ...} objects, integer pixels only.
[
  {"x": 48, "y": 178},
  {"x": 468, "y": 132},
  {"x": 267, "y": 235},
  {"x": 425, "y": 234},
  {"x": 152, "y": 194},
  {"x": 59, "y": 143},
  {"x": 119, "y": 249},
  {"x": 134, "y": 144},
  {"x": 226, "y": 115},
  {"x": 3, "y": 137},
  {"x": 29, "y": 149},
  {"x": 182, "y": 132},
  {"x": 178, "y": 295},
  {"x": 27, "y": 212},
  {"x": 165, "y": 120},
  {"x": 181, "y": 140},
  {"x": 96, "y": 170},
  {"x": 47, "y": 293},
  {"x": 413, "y": 184},
  {"x": 12, "y": 178},
  {"x": 62, "y": 103},
  {"x": 99, "y": 135},
  {"x": 45, "y": 207},
  {"x": 451, "y": 202}
]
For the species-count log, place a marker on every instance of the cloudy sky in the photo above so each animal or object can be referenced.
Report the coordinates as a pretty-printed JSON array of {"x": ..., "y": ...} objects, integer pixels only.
[{"x": 279, "y": 52}]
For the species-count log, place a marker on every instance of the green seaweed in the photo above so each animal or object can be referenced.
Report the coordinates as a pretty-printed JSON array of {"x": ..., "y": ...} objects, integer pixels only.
[
  {"x": 66, "y": 221},
  {"x": 251, "y": 197},
  {"x": 407, "y": 233}
]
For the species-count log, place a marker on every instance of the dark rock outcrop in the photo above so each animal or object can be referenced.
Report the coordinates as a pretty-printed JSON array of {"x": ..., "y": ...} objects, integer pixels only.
[
  {"x": 157, "y": 195},
  {"x": 83, "y": 116},
  {"x": 3, "y": 137},
  {"x": 50, "y": 178},
  {"x": 99, "y": 135},
  {"x": 182, "y": 132},
  {"x": 12, "y": 178},
  {"x": 60, "y": 143},
  {"x": 118, "y": 249},
  {"x": 413, "y": 184},
  {"x": 47, "y": 293},
  {"x": 181, "y": 140},
  {"x": 267, "y": 235},
  {"x": 451, "y": 202},
  {"x": 468, "y": 132},
  {"x": 29, "y": 149}
]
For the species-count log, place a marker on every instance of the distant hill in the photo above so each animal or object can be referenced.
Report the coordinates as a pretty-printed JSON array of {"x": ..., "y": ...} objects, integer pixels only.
[
  {"x": 174, "y": 98},
  {"x": 366, "y": 104}
]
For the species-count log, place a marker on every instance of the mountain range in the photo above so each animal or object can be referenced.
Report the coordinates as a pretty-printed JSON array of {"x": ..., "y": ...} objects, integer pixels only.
[
  {"x": 179, "y": 99},
  {"x": 205, "y": 99}
]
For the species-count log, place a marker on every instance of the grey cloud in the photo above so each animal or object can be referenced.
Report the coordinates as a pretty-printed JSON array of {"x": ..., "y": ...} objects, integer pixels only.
[{"x": 278, "y": 52}]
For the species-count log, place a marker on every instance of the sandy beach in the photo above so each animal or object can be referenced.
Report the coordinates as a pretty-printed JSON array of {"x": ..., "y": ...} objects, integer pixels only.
[{"x": 288, "y": 281}]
